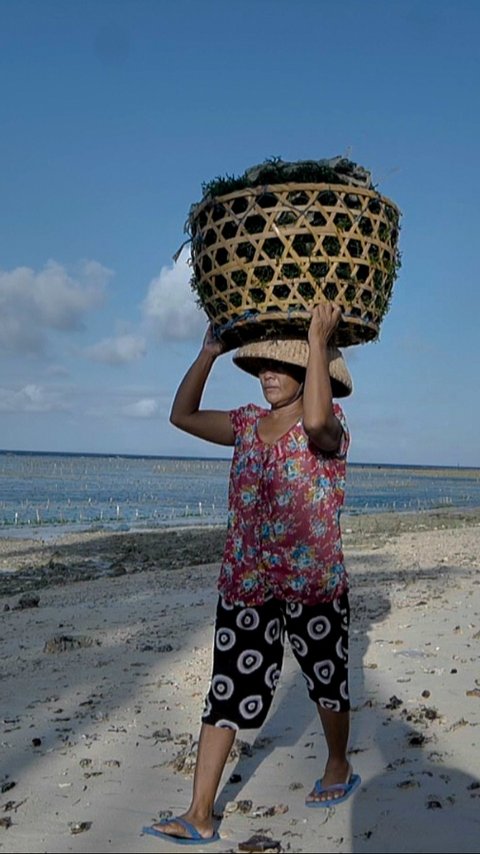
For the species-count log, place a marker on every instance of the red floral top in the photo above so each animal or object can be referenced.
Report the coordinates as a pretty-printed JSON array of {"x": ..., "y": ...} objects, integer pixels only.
[{"x": 283, "y": 536}]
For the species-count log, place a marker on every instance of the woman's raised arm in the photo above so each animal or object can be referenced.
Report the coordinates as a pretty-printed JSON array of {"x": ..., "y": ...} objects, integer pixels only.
[
  {"x": 321, "y": 425},
  {"x": 210, "y": 424}
]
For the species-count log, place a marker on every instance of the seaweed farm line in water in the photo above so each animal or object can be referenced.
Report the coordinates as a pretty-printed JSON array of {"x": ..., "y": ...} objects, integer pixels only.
[{"x": 39, "y": 491}]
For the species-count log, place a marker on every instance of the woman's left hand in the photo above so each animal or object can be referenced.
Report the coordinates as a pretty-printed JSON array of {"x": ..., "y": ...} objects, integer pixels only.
[{"x": 325, "y": 319}]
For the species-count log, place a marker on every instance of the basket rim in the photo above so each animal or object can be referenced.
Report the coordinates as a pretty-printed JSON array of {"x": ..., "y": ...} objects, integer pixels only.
[
  {"x": 312, "y": 185},
  {"x": 248, "y": 327},
  {"x": 292, "y": 314}
]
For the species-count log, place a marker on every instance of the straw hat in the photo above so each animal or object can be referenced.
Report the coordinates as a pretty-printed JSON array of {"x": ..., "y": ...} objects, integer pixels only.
[{"x": 294, "y": 352}]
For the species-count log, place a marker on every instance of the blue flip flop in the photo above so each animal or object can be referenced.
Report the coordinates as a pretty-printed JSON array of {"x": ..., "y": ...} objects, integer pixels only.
[
  {"x": 195, "y": 837},
  {"x": 353, "y": 783}
]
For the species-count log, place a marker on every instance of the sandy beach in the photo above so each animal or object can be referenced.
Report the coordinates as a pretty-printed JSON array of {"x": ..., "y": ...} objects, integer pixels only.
[{"x": 105, "y": 657}]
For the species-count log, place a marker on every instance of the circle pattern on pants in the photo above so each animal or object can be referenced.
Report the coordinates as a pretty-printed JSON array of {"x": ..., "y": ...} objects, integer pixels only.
[
  {"x": 319, "y": 627},
  {"x": 330, "y": 705},
  {"x": 249, "y": 660},
  {"x": 248, "y": 619},
  {"x": 225, "y": 639},
  {"x": 339, "y": 649},
  {"x": 272, "y": 632},
  {"x": 294, "y": 609},
  {"x": 251, "y": 706},
  {"x": 222, "y": 687},
  {"x": 272, "y": 676},
  {"x": 298, "y": 645},
  {"x": 224, "y": 723},
  {"x": 324, "y": 671}
]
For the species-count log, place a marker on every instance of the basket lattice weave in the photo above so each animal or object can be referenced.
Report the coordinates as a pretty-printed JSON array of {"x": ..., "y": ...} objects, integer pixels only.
[{"x": 264, "y": 256}]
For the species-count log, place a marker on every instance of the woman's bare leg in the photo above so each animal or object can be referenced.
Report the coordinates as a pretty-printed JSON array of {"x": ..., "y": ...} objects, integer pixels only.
[
  {"x": 336, "y": 726},
  {"x": 214, "y": 745}
]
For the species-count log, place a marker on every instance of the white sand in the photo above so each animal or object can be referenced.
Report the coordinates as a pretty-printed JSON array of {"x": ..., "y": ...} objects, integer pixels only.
[{"x": 112, "y": 717}]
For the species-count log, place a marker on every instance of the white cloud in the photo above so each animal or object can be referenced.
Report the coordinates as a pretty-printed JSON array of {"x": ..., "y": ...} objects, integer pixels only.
[
  {"x": 117, "y": 351},
  {"x": 34, "y": 303},
  {"x": 170, "y": 306},
  {"x": 30, "y": 398},
  {"x": 145, "y": 408}
]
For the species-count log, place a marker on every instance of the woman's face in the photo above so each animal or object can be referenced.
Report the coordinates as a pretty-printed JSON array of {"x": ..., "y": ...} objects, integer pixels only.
[{"x": 281, "y": 384}]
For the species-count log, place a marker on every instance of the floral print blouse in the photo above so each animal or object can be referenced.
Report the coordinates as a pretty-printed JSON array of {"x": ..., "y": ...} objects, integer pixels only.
[{"x": 285, "y": 498}]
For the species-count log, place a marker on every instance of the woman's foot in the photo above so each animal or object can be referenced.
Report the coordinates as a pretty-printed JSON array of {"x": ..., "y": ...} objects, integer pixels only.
[
  {"x": 185, "y": 827},
  {"x": 337, "y": 775}
]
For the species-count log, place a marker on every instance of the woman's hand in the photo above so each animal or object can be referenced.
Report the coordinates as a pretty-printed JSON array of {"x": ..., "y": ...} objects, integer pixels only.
[
  {"x": 210, "y": 424},
  {"x": 212, "y": 345},
  {"x": 325, "y": 319}
]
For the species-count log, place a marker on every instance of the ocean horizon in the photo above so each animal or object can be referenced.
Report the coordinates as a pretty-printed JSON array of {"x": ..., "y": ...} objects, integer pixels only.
[{"x": 429, "y": 466}]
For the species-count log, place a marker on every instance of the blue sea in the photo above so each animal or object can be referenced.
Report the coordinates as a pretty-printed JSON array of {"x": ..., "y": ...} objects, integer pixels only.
[{"x": 41, "y": 493}]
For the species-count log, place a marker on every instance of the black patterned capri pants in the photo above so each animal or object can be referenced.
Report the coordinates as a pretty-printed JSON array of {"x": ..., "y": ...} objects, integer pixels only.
[{"x": 248, "y": 656}]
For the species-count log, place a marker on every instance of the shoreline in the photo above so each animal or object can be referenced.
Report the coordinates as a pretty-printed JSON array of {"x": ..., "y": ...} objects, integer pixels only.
[{"x": 28, "y": 564}]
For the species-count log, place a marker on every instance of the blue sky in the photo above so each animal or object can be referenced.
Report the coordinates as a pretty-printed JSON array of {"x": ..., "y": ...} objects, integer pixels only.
[{"x": 113, "y": 114}]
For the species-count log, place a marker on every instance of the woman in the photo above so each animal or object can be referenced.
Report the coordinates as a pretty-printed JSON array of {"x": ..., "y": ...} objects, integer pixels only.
[{"x": 283, "y": 568}]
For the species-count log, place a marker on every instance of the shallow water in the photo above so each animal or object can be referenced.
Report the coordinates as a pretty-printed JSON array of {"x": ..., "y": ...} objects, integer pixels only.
[{"x": 42, "y": 493}]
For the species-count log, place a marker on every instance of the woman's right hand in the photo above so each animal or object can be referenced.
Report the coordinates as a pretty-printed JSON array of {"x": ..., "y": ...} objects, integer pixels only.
[
  {"x": 212, "y": 345},
  {"x": 214, "y": 425}
]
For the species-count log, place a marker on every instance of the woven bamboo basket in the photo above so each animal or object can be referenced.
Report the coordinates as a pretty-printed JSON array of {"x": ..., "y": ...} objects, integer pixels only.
[{"x": 262, "y": 257}]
